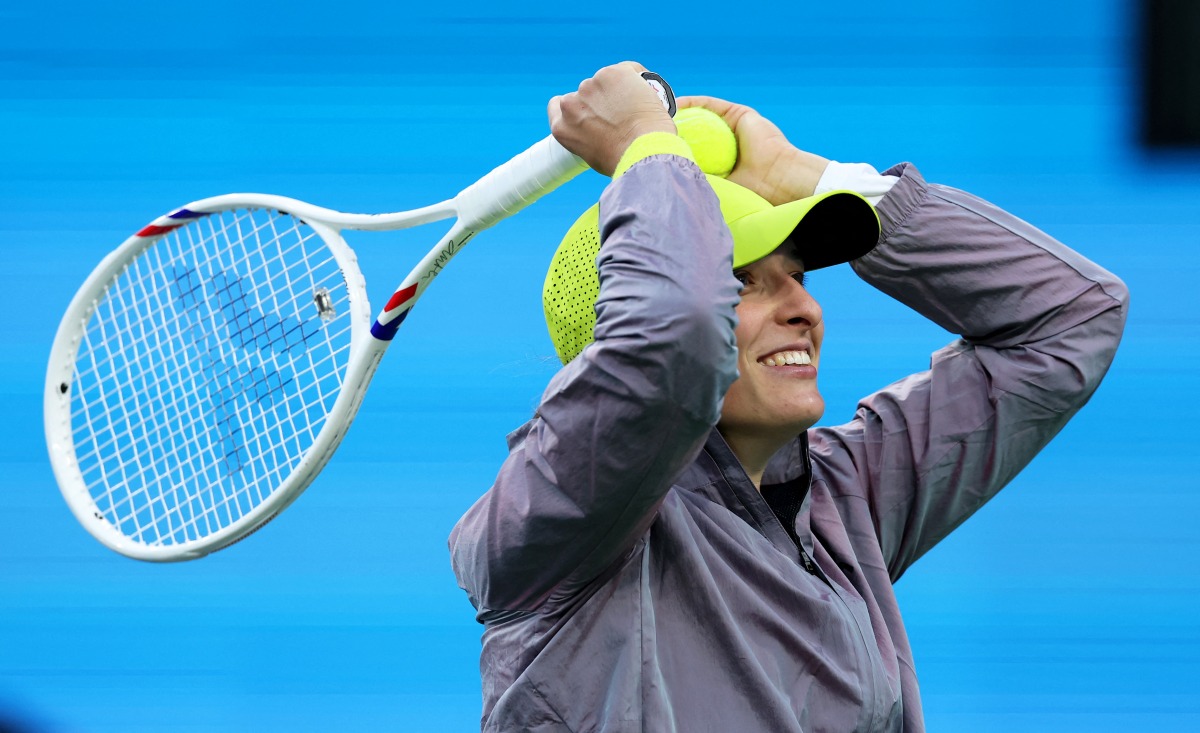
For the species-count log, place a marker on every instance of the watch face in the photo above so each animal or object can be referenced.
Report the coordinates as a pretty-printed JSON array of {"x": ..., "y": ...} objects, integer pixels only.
[{"x": 662, "y": 89}]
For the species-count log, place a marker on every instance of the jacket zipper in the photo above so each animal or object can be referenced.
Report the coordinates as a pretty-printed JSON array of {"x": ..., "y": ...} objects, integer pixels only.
[
  {"x": 810, "y": 566},
  {"x": 806, "y": 562}
]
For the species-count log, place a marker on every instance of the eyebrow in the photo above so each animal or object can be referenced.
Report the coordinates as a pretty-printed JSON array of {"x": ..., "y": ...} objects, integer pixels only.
[{"x": 793, "y": 252}]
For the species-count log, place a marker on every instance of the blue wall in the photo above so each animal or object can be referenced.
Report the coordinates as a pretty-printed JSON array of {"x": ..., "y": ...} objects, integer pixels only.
[{"x": 1068, "y": 604}]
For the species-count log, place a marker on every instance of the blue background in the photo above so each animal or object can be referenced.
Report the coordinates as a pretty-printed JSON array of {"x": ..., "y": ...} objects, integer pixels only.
[{"x": 1068, "y": 604}]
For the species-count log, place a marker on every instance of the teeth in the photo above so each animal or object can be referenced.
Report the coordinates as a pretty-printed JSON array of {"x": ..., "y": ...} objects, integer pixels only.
[{"x": 799, "y": 358}]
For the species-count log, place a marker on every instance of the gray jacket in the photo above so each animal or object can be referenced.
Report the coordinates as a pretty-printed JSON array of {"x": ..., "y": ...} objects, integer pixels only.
[{"x": 628, "y": 574}]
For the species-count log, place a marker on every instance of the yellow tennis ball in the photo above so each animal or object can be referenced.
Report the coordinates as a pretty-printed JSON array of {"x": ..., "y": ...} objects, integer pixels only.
[{"x": 712, "y": 142}]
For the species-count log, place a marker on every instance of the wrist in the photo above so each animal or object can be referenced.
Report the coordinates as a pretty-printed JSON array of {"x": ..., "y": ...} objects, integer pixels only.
[
  {"x": 652, "y": 143},
  {"x": 802, "y": 172}
]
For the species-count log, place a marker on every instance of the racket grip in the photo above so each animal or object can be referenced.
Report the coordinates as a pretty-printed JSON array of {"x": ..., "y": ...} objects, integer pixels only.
[
  {"x": 532, "y": 174},
  {"x": 518, "y": 183}
]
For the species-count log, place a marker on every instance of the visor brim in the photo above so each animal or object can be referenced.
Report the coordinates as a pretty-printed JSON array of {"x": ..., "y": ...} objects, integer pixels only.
[{"x": 827, "y": 229}]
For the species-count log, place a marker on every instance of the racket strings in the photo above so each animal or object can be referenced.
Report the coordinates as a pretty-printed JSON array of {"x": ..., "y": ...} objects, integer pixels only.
[
  {"x": 205, "y": 373},
  {"x": 224, "y": 504},
  {"x": 117, "y": 353},
  {"x": 139, "y": 374},
  {"x": 126, "y": 435}
]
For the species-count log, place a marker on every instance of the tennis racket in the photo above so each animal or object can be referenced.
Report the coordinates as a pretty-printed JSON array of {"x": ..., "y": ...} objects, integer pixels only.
[{"x": 208, "y": 368}]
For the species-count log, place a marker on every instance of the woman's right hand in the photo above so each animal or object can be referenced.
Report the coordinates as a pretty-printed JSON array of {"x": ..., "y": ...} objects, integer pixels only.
[
  {"x": 610, "y": 111},
  {"x": 767, "y": 163}
]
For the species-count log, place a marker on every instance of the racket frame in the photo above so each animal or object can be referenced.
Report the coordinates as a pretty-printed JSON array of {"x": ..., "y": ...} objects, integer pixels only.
[
  {"x": 365, "y": 353},
  {"x": 501, "y": 193}
]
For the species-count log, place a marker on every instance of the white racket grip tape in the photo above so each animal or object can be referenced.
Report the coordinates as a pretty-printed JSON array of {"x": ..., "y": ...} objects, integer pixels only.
[{"x": 516, "y": 184}]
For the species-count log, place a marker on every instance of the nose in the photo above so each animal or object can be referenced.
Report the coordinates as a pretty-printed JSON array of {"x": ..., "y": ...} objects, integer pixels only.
[{"x": 795, "y": 306}]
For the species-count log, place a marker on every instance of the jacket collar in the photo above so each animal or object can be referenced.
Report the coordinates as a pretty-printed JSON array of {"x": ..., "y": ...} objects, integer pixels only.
[{"x": 717, "y": 475}]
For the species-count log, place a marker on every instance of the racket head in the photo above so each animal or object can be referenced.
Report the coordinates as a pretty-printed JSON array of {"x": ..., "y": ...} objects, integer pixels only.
[{"x": 204, "y": 373}]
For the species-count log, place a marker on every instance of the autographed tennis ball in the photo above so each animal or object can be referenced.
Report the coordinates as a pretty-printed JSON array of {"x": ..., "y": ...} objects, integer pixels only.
[{"x": 711, "y": 140}]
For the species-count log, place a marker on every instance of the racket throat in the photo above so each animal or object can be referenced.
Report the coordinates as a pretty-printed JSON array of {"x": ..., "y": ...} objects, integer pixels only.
[{"x": 405, "y": 298}]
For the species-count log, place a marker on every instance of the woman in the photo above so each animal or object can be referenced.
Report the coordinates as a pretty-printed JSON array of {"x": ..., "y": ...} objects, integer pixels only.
[{"x": 671, "y": 544}]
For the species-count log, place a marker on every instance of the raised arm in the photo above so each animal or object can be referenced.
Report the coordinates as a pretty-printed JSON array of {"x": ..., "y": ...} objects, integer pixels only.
[
  {"x": 584, "y": 478},
  {"x": 1040, "y": 325}
]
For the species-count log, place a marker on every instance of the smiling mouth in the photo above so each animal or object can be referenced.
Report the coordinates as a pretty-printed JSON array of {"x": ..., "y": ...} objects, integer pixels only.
[{"x": 786, "y": 358}]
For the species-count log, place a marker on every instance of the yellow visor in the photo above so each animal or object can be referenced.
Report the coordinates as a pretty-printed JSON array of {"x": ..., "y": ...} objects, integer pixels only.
[{"x": 828, "y": 229}]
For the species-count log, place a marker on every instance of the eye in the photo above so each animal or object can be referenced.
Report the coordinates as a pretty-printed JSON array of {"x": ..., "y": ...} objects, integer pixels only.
[
  {"x": 800, "y": 277},
  {"x": 743, "y": 277}
]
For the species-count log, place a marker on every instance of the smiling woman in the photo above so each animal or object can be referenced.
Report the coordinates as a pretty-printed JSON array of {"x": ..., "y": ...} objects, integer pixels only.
[
  {"x": 670, "y": 544},
  {"x": 771, "y": 246},
  {"x": 779, "y": 335}
]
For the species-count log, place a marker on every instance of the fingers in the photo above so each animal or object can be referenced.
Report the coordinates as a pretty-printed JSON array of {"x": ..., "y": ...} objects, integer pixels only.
[
  {"x": 608, "y": 111},
  {"x": 767, "y": 162},
  {"x": 732, "y": 113},
  {"x": 624, "y": 68},
  {"x": 621, "y": 81},
  {"x": 720, "y": 106}
]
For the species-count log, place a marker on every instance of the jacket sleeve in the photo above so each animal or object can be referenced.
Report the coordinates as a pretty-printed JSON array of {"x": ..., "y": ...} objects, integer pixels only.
[
  {"x": 1040, "y": 325},
  {"x": 616, "y": 425}
]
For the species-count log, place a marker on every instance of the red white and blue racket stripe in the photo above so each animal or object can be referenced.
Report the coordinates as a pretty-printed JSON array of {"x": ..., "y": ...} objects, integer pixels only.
[
  {"x": 170, "y": 222},
  {"x": 397, "y": 309}
]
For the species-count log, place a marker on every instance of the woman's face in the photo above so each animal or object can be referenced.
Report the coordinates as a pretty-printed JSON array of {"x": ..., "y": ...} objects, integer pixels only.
[{"x": 779, "y": 336}]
